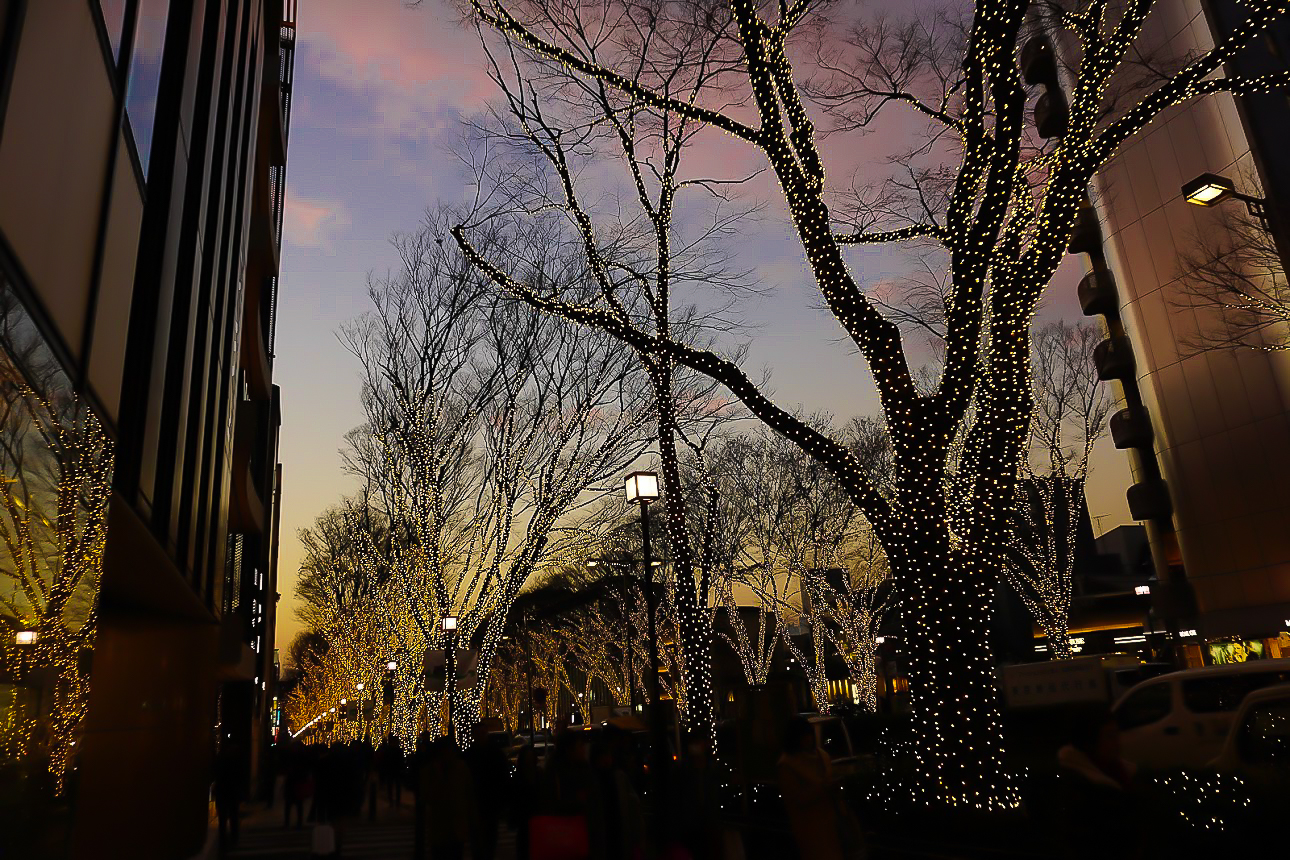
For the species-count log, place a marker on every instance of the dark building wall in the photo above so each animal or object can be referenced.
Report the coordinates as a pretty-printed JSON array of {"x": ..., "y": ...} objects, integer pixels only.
[{"x": 142, "y": 150}]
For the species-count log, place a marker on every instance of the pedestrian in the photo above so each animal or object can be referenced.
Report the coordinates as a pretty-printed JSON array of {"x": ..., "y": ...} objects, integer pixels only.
[
  {"x": 417, "y": 764},
  {"x": 523, "y": 798},
  {"x": 624, "y": 827},
  {"x": 449, "y": 801},
  {"x": 1097, "y": 787},
  {"x": 489, "y": 773},
  {"x": 297, "y": 785},
  {"x": 697, "y": 800},
  {"x": 810, "y": 795},
  {"x": 230, "y": 779},
  {"x": 569, "y": 815},
  {"x": 392, "y": 770}
]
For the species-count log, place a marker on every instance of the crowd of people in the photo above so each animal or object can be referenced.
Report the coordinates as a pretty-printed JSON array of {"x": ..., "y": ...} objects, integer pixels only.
[{"x": 585, "y": 798}]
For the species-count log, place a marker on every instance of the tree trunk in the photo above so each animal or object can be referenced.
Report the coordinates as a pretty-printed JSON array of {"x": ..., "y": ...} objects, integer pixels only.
[
  {"x": 1057, "y": 629},
  {"x": 947, "y": 595},
  {"x": 692, "y": 619}
]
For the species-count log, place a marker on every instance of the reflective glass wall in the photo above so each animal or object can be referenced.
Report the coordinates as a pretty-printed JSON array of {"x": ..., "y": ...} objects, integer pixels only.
[{"x": 55, "y": 481}]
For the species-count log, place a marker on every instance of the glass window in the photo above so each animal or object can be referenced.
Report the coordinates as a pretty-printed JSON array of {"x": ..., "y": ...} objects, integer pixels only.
[
  {"x": 1144, "y": 707},
  {"x": 145, "y": 75},
  {"x": 114, "y": 20},
  {"x": 1225, "y": 692},
  {"x": 833, "y": 739},
  {"x": 55, "y": 481},
  {"x": 1265, "y": 737}
]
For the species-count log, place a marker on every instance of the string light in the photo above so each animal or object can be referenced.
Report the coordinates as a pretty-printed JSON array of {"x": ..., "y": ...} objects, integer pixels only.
[
  {"x": 57, "y": 480},
  {"x": 1005, "y": 229}
]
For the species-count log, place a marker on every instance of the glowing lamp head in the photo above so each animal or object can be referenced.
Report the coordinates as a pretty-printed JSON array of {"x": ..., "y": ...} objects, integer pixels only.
[
  {"x": 449, "y": 623},
  {"x": 1208, "y": 189},
  {"x": 642, "y": 487},
  {"x": 359, "y": 686},
  {"x": 392, "y": 665},
  {"x": 26, "y": 637},
  {"x": 593, "y": 564}
]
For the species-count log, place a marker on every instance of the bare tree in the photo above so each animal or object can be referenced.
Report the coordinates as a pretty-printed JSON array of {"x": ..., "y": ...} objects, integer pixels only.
[
  {"x": 1235, "y": 279},
  {"x": 1003, "y": 228},
  {"x": 551, "y": 126},
  {"x": 488, "y": 428}
]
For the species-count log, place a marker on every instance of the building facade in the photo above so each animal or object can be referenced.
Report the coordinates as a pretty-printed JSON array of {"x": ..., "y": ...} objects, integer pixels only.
[
  {"x": 142, "y": 177},
  {"x": 1215, "y": 418}
]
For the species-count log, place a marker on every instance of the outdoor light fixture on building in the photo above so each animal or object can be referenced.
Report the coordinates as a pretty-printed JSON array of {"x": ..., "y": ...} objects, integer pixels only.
[
  {"x": 1142, "y": 589},
  {"x": 26, "y": 637},
  {"x": 642, "y": 487},
  {"x": 1208, "y": 189}
]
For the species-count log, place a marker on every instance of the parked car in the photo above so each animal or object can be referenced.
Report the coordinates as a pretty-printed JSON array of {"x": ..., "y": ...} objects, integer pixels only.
[
  {"x": 1257, "y": 748},
  {"x": 1181, "y": 720},
  {"x": 1226, "y": 808}
]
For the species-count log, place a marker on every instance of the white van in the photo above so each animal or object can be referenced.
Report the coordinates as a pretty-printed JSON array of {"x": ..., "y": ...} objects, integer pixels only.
[{"x": 1180, "y": 720}]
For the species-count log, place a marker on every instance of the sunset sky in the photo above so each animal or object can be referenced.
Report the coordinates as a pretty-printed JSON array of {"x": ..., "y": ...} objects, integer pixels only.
[{"x": 378, "y": 103}]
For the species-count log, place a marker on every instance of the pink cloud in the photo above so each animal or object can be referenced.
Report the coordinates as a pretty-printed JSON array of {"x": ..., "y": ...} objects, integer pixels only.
[
  {"x": 313, "y": 224},
  {"x": 405, "y": 61}
]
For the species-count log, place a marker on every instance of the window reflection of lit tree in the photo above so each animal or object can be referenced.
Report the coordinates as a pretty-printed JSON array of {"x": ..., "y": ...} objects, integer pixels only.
[{"x": 56, "y": 466}]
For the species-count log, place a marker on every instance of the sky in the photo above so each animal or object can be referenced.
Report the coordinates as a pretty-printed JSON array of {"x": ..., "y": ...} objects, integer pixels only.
[{"x": 379, "y": 99}]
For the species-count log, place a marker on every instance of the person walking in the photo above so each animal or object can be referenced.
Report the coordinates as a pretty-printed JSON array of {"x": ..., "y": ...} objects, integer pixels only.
[
  {"x": 697, "y": 813},
  {"x": 449, "y": 801},
  {"x": 489, "y": 773},
  {"x": 297, "y": 785},
  {"x": 390, "y": 766},
  {"x": 569, "y": 819},
  {"x": 1097, "y": 787},
  {"x": 810, "y": 795},
  {"x": 523, "y": 798},
  {"x": 230, "y": 778}
]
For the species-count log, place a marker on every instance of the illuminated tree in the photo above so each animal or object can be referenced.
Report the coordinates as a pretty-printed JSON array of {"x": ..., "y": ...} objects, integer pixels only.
[
  {"x": 487, "y": 428},
  {"x": 1009, "y": 207},
  {"x": 1071, "y": 408}
]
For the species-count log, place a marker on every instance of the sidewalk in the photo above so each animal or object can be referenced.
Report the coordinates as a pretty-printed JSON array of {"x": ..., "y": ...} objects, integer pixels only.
[{"x": 389, "y": 837}]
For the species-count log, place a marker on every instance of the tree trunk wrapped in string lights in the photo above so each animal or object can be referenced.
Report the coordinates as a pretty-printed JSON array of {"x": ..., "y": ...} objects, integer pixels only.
[{"x": 1000, "y": 212}]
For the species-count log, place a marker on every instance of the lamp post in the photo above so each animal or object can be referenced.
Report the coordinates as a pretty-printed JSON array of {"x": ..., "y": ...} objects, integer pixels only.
[
  {"x": 388, "y": 696},
  {"x": 1210, "y": 189},
  {"x": 642, "y": 487},
  {"x": 449, "y": 627}
]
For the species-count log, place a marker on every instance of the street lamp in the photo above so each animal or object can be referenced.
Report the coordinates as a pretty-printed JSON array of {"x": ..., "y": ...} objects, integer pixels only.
[
  {"x": 643, "y": 487},
  {"x": 392, "y": 665},
  {"x": 1209, "y": 189},
  {"x": 449, "y": 627},
  {"x": 26, "y": 637}
]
